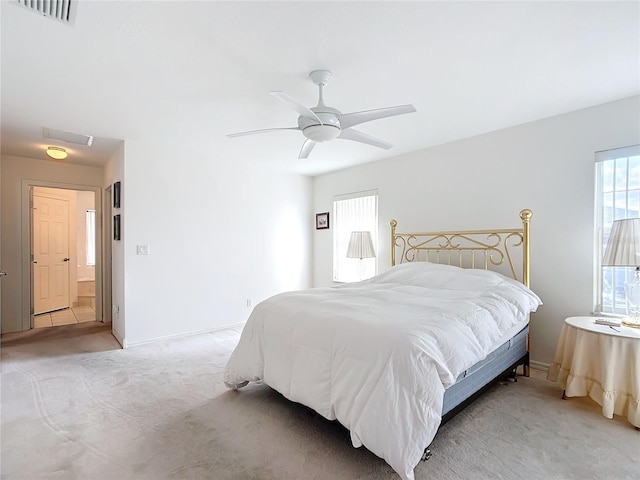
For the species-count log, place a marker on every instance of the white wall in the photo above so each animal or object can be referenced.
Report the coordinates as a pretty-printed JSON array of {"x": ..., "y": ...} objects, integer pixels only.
[
  {"x": 14, "y": 171},
  {"x": 114, "y": 172},
  {"x": 483, "y": 182},
  {"x": 219, "y": 232}
]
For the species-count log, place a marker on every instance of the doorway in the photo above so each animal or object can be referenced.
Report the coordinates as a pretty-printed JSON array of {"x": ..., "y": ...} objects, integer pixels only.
[
  {"x": 63, "y": 248},
  {"x": 62, "y": 254}
]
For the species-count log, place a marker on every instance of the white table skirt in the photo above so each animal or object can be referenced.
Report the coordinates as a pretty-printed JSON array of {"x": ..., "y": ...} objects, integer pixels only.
[{"x": 596, "y": 361}]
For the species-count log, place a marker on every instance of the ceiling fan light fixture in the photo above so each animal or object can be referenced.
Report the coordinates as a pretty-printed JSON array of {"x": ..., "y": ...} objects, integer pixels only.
[
  {"x": 321, "y": 133},
  {"x": 58, "y": 153},
  {"x": 323, "y": 123}
]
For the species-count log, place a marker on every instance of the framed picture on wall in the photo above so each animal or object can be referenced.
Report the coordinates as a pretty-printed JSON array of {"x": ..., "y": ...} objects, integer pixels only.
[
  {"x": 322, "y": 220},
  {"x": 116, "y": 195},
  {"x": 116, "y": 227}
]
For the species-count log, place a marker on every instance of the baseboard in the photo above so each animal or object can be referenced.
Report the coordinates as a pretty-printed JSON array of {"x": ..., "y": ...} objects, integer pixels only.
[
  {"x": 126, "y": 344},
  {"x": 539, "y": 365}
]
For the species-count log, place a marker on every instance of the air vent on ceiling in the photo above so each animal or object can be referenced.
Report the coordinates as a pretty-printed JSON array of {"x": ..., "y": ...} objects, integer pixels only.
[
  {"x": 62, "y": 10},
  {"x": 67, "y": 136}
]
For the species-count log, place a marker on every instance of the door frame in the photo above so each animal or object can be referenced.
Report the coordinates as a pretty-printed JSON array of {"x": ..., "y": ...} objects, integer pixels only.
[
  {"x": 107, "y": 256},
  {"x": 26, "y": 262}
]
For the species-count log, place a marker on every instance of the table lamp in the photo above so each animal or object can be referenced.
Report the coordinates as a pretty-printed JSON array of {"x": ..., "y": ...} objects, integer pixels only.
[
  {"x": 360, "y": 246},
  {"x": 623, "y": 250}
]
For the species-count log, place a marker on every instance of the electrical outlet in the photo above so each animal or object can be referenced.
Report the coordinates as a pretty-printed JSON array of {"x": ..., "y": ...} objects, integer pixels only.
[
  {"x": 249, "y": 303},
  {"x": 143, "y": 249}
]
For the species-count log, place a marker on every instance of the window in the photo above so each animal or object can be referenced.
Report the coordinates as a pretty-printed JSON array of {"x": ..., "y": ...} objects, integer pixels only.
[
  {"x": 617, "y": 197},
  {"x": 354, "y": 212},
  {"x": 91, "y": 236}
]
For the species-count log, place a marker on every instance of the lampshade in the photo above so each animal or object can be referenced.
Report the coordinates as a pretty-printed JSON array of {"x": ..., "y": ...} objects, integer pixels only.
[
  {"x": 623, "y": 247},
  {"x": 58, "y": 153},
  {"x": 623, "y": 250},
  {"x": 360, "y": 245}
]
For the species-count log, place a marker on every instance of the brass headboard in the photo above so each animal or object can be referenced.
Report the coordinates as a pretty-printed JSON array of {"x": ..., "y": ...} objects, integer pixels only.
[{"x": 485, "y": 249}]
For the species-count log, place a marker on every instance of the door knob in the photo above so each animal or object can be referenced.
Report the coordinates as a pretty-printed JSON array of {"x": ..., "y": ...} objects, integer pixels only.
[
  {"x": 65, "y": 259},
  {"x": 3, "y": 274}
]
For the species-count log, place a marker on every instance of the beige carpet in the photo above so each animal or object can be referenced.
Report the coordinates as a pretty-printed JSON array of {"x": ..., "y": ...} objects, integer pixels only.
[{"x": 75, "y": 406}]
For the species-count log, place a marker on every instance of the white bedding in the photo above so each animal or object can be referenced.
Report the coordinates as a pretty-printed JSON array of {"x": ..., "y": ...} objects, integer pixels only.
[{"x": 378, "y": 355}]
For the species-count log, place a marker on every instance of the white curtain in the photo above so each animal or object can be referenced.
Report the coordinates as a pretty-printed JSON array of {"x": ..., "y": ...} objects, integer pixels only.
[
  {"x": 91, "y": 237},
  {"x": 354, "y": 213}
]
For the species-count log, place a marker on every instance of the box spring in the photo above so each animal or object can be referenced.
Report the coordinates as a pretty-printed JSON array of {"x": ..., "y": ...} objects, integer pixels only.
[{"x": 504, "y": 358}]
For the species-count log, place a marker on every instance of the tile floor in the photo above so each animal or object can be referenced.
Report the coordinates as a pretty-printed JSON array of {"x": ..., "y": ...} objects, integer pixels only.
[{"x": 67, "y": 316}]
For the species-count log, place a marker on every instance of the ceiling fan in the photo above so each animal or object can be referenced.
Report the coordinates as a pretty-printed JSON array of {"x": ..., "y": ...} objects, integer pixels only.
[{"x": 323, "y": 123}]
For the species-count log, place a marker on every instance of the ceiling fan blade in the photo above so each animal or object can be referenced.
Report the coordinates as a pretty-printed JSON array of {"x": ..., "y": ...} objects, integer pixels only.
[
  {"x": 350, "y": 119},
  {"x": 357, "y": 136},
  {"x": 296, "y": 105},
  {"x": 307, "y": 146},
  {"x": 265, "y": 130}
]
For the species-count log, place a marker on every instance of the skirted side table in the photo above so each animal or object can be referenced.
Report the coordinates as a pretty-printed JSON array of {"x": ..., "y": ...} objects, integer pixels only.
[{"x": 602, "y": 362}]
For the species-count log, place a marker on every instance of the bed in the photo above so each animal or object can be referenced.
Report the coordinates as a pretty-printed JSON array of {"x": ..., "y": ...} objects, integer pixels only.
[{"x": 394, "y": 356}]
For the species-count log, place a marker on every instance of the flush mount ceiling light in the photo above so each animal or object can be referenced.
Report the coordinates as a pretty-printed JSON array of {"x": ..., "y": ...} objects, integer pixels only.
[{"x": 58, "y": 153}]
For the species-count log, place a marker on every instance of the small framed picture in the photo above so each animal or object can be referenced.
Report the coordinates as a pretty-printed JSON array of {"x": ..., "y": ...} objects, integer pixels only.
[
  {"x": 116, "y": 227},
  {"x": 116, "y": 195},
  {"x": 322, "y": 220}
]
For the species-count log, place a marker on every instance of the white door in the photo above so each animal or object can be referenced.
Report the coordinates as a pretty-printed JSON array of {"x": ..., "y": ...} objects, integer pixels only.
[{"x": 50, "y": 254}]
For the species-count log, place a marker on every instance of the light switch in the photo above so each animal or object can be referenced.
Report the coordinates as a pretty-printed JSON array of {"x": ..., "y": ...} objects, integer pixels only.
[{"x": 143, "y": 249}]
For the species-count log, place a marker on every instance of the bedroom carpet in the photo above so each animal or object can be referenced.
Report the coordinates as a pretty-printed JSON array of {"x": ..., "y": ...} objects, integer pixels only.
[{"x": 75, "y": 406}]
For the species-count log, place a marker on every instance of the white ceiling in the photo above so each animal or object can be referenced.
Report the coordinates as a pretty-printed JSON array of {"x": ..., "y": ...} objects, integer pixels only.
[{"x": 187, "y": 73}]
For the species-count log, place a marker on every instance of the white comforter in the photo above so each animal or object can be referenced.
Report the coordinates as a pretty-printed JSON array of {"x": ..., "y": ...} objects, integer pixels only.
[{"x": 378, "y": 355}]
